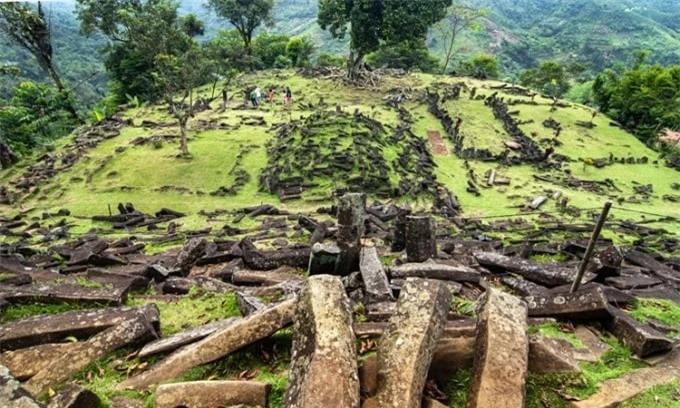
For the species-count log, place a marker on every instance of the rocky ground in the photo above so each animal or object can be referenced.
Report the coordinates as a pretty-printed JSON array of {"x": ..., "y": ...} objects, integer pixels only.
[{"x": 387, "y": 309}]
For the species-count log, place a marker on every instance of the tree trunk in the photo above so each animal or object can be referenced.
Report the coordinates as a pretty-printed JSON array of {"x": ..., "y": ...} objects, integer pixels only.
[
  {"x": 447, "y": 59},
  {"x": 70, "y": 108},
  {"x": 355, "y": 58},
  {"x": 183, "y": 147}
]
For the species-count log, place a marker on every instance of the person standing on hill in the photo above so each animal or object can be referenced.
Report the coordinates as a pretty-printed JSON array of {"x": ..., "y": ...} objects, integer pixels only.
[
  {"x": 288, "y": 97},
  {"x": 271, "y": 96}
]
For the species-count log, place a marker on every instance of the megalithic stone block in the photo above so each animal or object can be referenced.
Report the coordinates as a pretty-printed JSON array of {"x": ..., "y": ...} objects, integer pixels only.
[
  {"x": 420, "y": 238},
  {"x": 642, "y": 339},
  {"x": 351, "y": 217},
  {"x": 407, "y": 346},
  {"x": 12, "y": 394},
  {"x": 374, "y": 276},
  {"x": 324, "y": 370},
  {"x": 246, "y": 331},
  {"x": 212, "y": 394},
  {"x": 502, "y": 350}
]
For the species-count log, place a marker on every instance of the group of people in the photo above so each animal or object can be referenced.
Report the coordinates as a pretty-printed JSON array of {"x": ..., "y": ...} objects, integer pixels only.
[{"x": 256, "y": 96}]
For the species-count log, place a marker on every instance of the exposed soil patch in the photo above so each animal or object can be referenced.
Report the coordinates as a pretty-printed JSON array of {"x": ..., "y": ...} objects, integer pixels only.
[{"x": 437, "y": 143}]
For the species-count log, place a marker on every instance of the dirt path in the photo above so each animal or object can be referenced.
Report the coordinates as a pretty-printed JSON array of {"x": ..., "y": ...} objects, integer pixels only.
[{"x": 437, "y": 144}]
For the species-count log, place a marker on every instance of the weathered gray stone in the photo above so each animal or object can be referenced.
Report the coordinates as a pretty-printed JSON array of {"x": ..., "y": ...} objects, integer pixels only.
[
  {"x": 433, "y": 270},
  {"x": 248, "y": 304},
  {"x": 374, "y": 276},
  {"x": 177, "y": 340},
  {"x": 74, "y": 396},
  {"x": 657, "y": 268},
  {"x": 64, "y": 293},
  {"x": 585, "y": 304},
  {"x": 351, "y": 216},
  {"x": 323, "y": 259},
  {"x": 189, "y": 254},
  {"x": 406, "y": 348},
  {"x": 502, "y": 349},
  {"x": 103, "y": 343},
  {"x": 199, "y": 394},
  {"x": 614, "y": 392},
  {"x": 80, "y": 323},
  {"x": 594, "y": 346},
  {"x": 420, "y": 238},
  {"x": 12, "y": 395},
  {"x": 632, "y": 282},
  {"x": 548, "y": 356},
  {"x": 323, "y": 370},
  {"x": 221, "y": 343},
  {"x": 26, "y": 362},
  {"x": 549, "y": 275},
  {"x": 523, "y": 287},
  {"x": 640, "y": 338},
  {"x": 275, "y": 277}
]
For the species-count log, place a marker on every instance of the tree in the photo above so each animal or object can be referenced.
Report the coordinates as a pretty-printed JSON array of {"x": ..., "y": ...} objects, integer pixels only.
[
  {"x": 139, "y": 31},
  {"x": 459, "y": 18},
  {"x": 178, "y": 76},
  {"x": 245, "y": 16},
  {"x": 483, "y": 66},
  {"x": 267, "y": 47},
  {"x": 299, "y": 50},
  {"x": 328, "y": 60},
  {"x": 645, "y": 100},
  {"x": 406, "y": 55},
  {"x": 550, "y": 78},
  {"x": 227, "y": 49},
  {"x": 29, "y": 29},
  {"x": 374, "y": 23}
]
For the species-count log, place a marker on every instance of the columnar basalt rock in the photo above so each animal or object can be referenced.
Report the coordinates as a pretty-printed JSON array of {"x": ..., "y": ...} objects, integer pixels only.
[
  {"x": 12, "y": 395},
  {"x": 324, "y": 369},
  {"x": 501, "y": 353},
  {"x": 212, "y": 394},
  {"x": 374, "y": 276},
  {"x": 420, "y": 238},
  {"x": 351, "y": 216},
  {"x": 407, "y": 346},
  {"x": 219, "y": 344}
]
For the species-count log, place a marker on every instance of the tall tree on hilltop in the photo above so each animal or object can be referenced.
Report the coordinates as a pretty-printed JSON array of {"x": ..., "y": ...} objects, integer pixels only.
[
  {"x": 373, "y": 23},
  {"x": 28, "y": 28},
  {"x": 139, "y": 31},
  {"x": 245, "y": 16},
  {"x": 178, "y": 76},
  {"x": 459, "y": 18}
]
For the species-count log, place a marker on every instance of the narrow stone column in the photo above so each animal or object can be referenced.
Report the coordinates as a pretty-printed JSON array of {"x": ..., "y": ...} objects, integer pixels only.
[
  {"x": 324, "y": 371},
  {"x": 420, "y": 239},
  {"x": 351, "y": 216}
]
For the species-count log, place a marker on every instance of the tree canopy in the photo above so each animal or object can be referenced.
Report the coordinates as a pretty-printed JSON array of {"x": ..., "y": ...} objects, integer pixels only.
[
  {"x": 551, "y": 78},
  {"x": 245, "y": 15},
  {"x": 374, "y": 23}
]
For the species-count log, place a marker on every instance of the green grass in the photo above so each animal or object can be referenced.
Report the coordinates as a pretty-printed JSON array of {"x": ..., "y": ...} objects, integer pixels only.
[
  {"x": 554, "y": 330},
  {"x": 17, "y": 312},
  {"x": 662, "y": 310},
  {"x": 549, "y": 390},
  {"x": 463, "y": 306},
  {"x": 197, "y": 308},
  {"x": 661, "y": 396},
  {"x": 548, "y": 258}
]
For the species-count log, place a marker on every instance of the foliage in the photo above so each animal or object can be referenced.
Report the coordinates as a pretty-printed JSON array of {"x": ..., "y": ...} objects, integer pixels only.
[
  {"x": 373, "y": 24},
  {"x": 282, "y": 62},
  {"x": 328, "y": 60},
  {"x": 17, "y": 312},
  {"x": 644, "y": 99},
  {"x": 299, "y": 50},
  {"x": 245, "y": 15},
  {"x": 555, "y": 330},
  {"x": 459, "y": 17},
  {"x": 482, "y": 66},
  {"x": 178, "y": 76},
  {"x": 406, "y": 55},
  {"x": 35, "y": 115},
  {"x": 30, "y": 30},
  {"x": 140, "y": 31},
  {"x": 550, "y": 78},
  {"x": 267, "y": 47},
  {"x": 227, "y": 50}
]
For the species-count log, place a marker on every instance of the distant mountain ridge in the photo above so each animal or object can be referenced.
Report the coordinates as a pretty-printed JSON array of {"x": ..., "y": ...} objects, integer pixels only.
[{"x": 521, "y": 33}]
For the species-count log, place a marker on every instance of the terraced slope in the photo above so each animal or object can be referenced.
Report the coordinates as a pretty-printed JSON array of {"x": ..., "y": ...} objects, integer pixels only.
[{"x": 337, "y": 137}]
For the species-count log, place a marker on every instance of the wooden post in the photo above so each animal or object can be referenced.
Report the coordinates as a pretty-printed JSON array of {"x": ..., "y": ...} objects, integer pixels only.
[{"x": 591, "y": 246}]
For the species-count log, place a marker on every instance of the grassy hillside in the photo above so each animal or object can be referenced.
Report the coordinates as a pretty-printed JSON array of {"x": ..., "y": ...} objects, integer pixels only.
[{"x": 234, "y": 153}]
